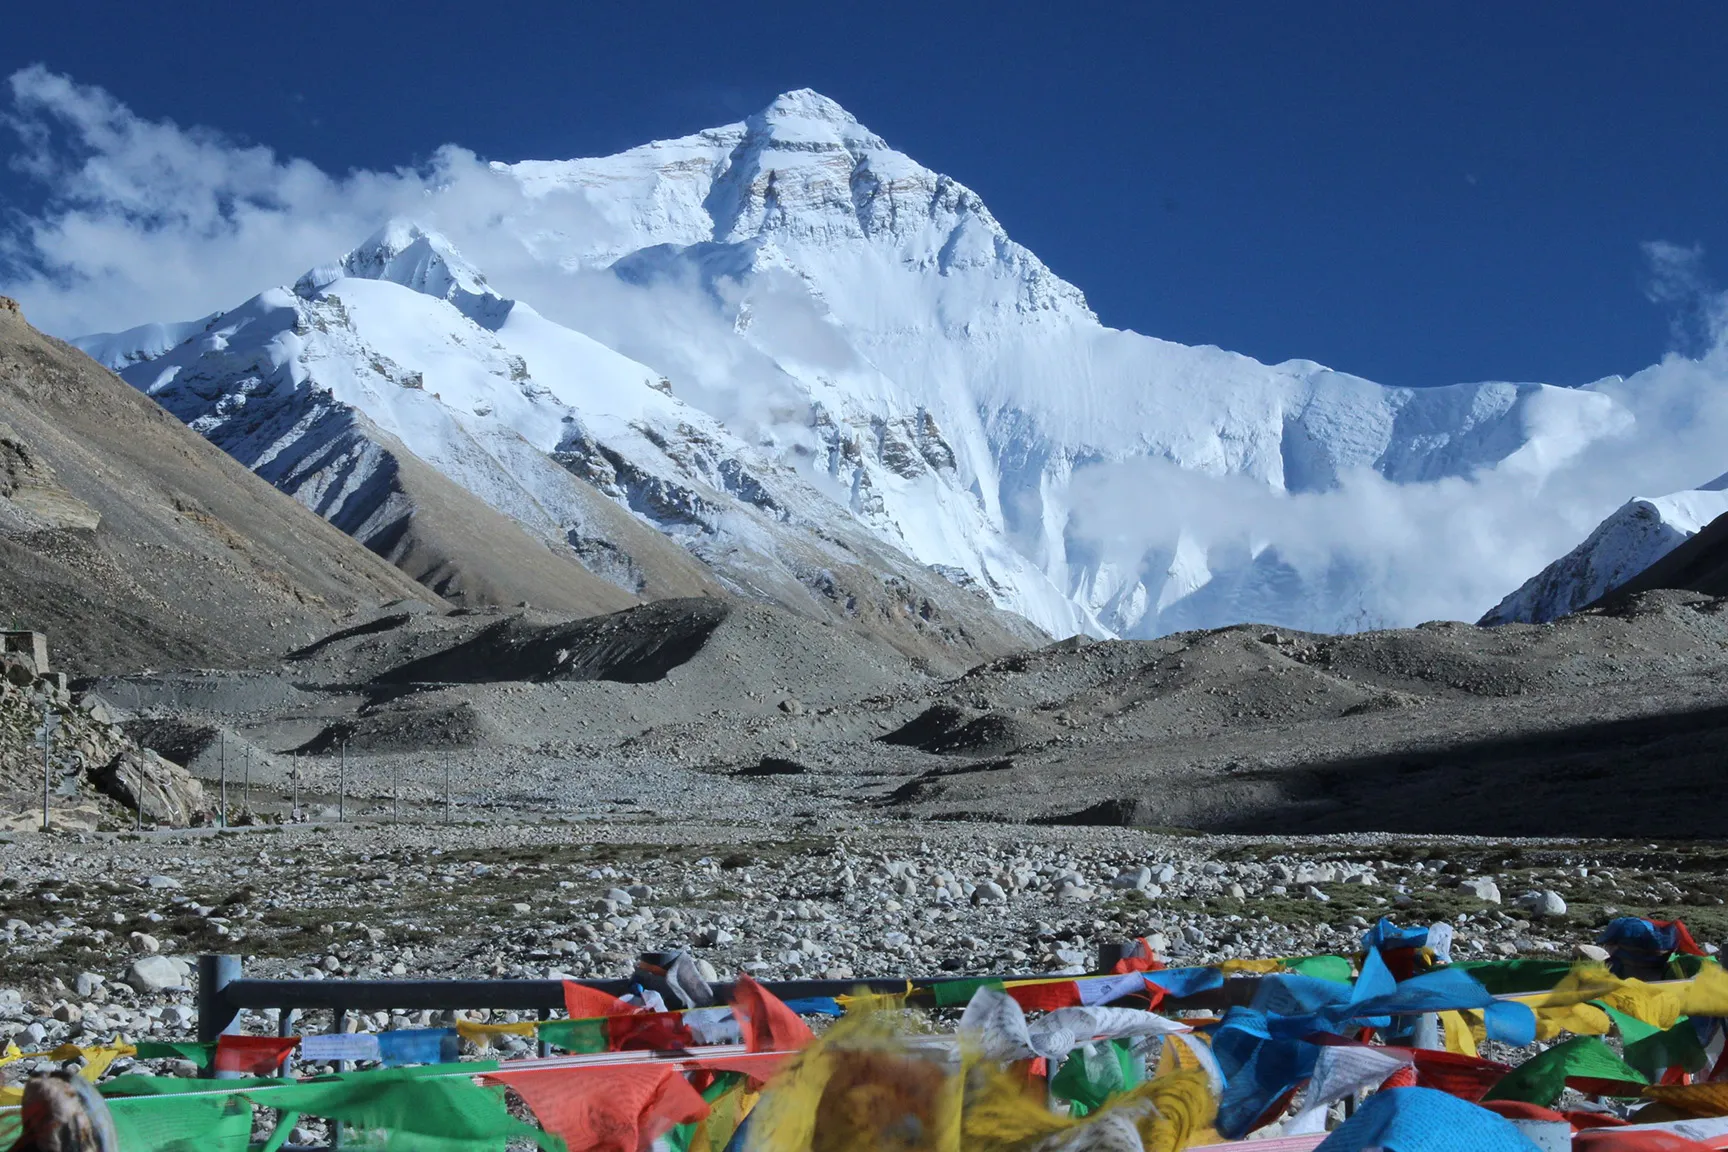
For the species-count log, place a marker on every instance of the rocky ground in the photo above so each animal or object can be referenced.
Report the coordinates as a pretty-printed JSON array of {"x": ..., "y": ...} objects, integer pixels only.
[
  {"x": 98, "y": 930},
  {"x": 795, "y": 799}
]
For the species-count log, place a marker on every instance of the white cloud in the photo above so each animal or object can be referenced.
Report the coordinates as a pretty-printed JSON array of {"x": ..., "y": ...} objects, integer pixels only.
[
  {"x": 148, "y": 221},
  {"x": 1677, "y": 280}
]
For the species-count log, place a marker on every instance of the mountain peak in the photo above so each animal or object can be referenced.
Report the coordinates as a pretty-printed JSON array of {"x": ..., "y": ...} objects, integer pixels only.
[
  {"x": 405, "y": 253},
  {"x": 416, "y": 258},
  {"x": 805, "y": 115},
  {"x": 809, "y": 104}
]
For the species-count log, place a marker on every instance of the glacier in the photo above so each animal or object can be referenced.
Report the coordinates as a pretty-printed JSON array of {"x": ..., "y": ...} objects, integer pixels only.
[
  {"x": 1635, "y": 536},
  {"x": 781, "y": 330}
]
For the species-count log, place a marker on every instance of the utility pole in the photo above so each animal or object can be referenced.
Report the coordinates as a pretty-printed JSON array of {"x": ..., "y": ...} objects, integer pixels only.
[
  {"x": 342, "y": 784},
  {"x": 294, "y": 777},
  {"x": 222, "y": 770},
  {"x": 246, "y": 784},
  {"x": 47, "y": 745},
  {"x": 396, "y": 789},
  {"x": 446, "y": 790},
  {"x": 140, "y": 794}
]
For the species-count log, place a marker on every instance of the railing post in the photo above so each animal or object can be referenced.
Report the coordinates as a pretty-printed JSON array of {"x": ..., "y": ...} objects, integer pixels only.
[
  {"x": 285, "y": 1027},
  {"x": 215, "y": 1014},
  {"x": 1111, "y": 951}
]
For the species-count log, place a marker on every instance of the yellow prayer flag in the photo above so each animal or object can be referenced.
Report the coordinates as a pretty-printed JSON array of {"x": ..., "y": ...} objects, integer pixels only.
[
  {"x": 1231, "y": 967},
  {"x": 1460, "y": 1037},
  {"x": 481, "y": 1034}
]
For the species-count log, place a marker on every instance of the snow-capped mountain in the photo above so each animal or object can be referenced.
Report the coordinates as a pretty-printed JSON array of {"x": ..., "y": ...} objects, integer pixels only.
[
  {"x": 783, "y": 330},
  {"x": 401, "y": 346},
  {"x": 1639, "y": 533}
]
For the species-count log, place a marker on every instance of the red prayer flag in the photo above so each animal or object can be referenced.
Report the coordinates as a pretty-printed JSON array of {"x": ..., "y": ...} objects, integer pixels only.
[
  {"x": 647, "y": 1031},
  {"x": 767, "y": 1024},
  {"x": 759, "y": 1066},
  {"x": 1141, "y": 959},
  {"x": 584, "y": 1003},
  {"x": 1683, "y": 941},
  {"x": 1466, "y": 1077},
  {"x": 1046, "y": 997},
  {"x": 1404, "y": 1077},
  {"x": 622, "y": 1108},
  {"x": 253, "y": 1055}
]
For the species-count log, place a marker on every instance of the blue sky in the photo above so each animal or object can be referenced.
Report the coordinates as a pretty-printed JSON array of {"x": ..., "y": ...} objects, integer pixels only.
[{"x": 1420, "y": 193}]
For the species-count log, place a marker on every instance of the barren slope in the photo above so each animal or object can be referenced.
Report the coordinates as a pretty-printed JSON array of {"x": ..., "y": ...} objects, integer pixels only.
[{"x": 134, "y": 543}]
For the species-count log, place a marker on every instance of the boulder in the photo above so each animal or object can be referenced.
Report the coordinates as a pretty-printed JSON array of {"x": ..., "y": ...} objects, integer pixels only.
[
  {"x": 1546, "y": 903},
  {"x": 1482, "y": 888},
  {"x": 151, "y": 975},
  {"x": 171, "y": 795}
]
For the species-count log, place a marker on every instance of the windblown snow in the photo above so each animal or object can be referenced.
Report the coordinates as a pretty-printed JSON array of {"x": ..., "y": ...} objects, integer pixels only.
[{"x": 783, "y": 327}]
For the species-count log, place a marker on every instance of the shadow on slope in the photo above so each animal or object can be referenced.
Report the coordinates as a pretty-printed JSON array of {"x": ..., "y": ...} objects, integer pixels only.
[{"x": 636, "y": 646}]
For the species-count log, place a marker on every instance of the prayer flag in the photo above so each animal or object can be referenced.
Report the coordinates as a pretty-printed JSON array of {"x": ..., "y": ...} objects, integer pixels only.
[
  {"x": 767, "y": 1024},
  {"x": 253, "y": 1055}
]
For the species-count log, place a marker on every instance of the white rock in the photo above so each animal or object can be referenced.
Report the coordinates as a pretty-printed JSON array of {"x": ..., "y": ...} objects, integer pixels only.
[
  {"x": 1544, "y": 903},
  {"x": 142, "y": 943},
  {"x": 150, "y": 975},
  {"x": 1133, "y": 878},
  {"x": 1482, "y": 888}
]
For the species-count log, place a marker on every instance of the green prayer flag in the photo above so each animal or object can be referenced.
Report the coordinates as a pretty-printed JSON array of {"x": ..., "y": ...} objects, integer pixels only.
[
  {"x": 575, "y": 1035},
  {"x": 1502, "y": 977},
  {"x": 1652, "y": 1050},
  {"x": 957, "y": 993},
  {"x": 1093, "y": 1073},
  {"x": 182, "y": 1123},
  {"x": 284, "y": 1129},
  {"x": 449, "y": 1112},
  {"x": 1333, "y": 968},
  {"x": 138, "y": 1084},
  {"x": 1540, "y": 1079},
  {"x": 199, "y": 1054}
]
